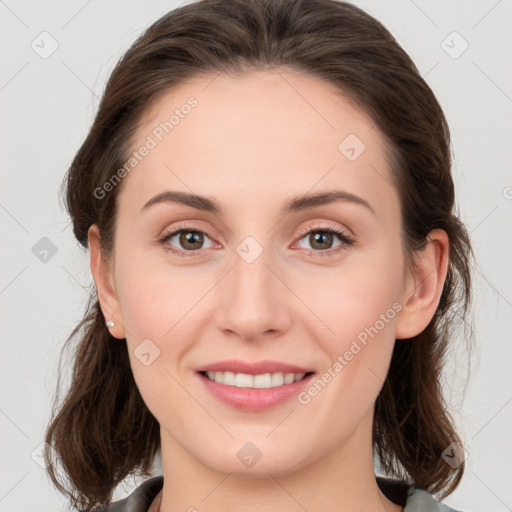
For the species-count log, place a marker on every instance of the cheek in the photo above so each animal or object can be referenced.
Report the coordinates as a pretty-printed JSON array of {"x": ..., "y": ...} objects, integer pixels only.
[
  {"x": 152, "y": 296},
  {"x": 360, "y": 310},
  {"x": 157, "y": 314},
  {"x": 356, "y": 297}
]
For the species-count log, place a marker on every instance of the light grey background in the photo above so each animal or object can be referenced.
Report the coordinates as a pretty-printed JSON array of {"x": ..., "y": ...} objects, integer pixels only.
[{"x": 47, "y": 106}]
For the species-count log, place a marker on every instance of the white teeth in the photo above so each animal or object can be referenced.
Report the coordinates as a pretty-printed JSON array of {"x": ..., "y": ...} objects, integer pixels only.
[
  {"x": 265, "y": 380},
  {"x": 262, "y": 381},
  {"x": 229, "y": 378},
  {"x": 242, "y": 380},
  {"x": 277, "y": 379},
  {"x": 288, "y": 378}
]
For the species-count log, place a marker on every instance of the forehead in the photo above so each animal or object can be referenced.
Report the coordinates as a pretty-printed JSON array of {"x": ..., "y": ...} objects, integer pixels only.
[
  {"x": 262, "y": 131},
  {"x": 257, "y": 102}
]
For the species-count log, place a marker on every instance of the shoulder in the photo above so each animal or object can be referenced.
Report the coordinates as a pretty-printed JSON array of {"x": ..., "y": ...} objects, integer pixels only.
[
  {"x": 413, "y": 499},
  {"x": 139, "y": 500},
  {"x": 419, "y": 500}
]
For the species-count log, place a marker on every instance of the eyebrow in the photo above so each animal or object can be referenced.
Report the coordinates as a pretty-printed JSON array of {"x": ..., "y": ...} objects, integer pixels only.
[{"x": 295, "y": 204}]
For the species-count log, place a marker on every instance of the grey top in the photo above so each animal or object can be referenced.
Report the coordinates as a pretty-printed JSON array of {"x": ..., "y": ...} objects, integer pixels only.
[{"x": 412, "y": 499}]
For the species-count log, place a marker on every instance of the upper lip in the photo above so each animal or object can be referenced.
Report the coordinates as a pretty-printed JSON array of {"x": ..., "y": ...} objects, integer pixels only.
[{"x": 253, "y": 368}]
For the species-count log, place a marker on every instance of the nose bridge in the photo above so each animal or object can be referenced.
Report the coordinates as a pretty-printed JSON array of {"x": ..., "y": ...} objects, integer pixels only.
[
  {"x": 252, "y": 302},
  {"x": 251, "y": 269}
]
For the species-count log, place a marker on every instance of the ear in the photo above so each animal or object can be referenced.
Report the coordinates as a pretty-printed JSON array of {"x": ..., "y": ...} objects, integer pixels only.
[
  {"x": 103, "y": 277},
  {"x": 423, "y": 286}
]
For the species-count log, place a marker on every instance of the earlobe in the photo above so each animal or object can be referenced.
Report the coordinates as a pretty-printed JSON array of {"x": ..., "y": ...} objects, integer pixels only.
[
  {"x": 423, "y": 286},
  {"x": 103, "y": 278}
]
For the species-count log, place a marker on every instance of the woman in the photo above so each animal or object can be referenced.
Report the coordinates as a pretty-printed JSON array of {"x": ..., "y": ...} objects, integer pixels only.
[{"x": 267, "y": 199}]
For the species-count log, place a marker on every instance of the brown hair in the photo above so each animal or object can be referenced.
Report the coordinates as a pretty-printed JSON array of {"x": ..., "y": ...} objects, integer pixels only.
[{"x": 102, "y": 431}]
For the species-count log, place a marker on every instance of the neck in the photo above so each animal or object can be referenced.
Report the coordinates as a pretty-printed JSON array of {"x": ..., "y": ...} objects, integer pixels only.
[{"x": 342, "y": 479}]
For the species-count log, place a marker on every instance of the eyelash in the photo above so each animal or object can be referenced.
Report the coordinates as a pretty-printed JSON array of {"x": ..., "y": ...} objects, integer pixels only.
[{"x": 345, "y": 239}]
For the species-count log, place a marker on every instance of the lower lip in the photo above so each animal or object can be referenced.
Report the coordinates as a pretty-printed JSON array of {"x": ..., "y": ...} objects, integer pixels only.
[{"x": 254, "y": 399}]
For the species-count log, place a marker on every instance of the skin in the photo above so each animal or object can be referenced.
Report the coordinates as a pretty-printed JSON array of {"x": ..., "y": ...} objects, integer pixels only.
[{"x": 252, "y": 142}]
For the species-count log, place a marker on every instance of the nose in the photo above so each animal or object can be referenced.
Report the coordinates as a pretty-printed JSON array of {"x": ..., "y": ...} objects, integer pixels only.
[{"x": 254, "y": 301}]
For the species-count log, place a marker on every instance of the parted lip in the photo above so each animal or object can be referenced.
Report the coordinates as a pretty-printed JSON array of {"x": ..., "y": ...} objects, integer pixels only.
[{"x": 253, "y": 368}]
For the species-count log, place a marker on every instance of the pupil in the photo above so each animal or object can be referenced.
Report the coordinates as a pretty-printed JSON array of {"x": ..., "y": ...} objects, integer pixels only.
[
  {"x": 319, "y": 237},
  {"x": 189, "y": 236}
]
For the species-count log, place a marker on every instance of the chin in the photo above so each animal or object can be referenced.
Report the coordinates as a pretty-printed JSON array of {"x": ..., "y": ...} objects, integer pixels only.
[{"x": 254, "y": 459}]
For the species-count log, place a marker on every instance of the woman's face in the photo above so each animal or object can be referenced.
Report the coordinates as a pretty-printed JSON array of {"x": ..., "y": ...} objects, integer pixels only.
[{"x": 256, "y": 281}]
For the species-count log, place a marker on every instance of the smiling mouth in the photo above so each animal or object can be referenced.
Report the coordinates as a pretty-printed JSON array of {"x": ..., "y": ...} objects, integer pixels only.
[{"x": 261, "y": 381}]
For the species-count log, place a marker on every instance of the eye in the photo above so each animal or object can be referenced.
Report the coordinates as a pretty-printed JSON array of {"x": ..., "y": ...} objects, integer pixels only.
[
  {"x": 322, "y": 237},
  {"x": 189, "y": 238}
]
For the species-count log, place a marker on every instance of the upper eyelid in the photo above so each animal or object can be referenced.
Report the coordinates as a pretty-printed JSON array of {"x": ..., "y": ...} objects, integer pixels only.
[{"x": 316, "y": 225}]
